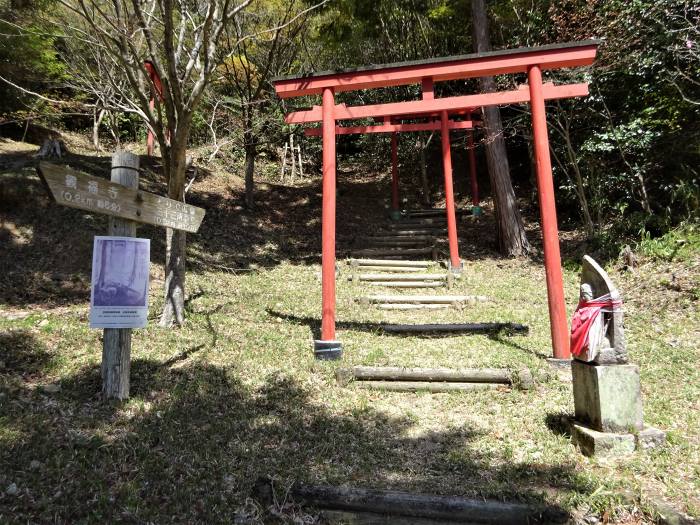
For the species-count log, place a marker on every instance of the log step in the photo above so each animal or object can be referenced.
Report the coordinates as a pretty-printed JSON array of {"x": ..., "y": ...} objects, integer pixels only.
[
  {"x": 398, "y": 237},
  {"x": 407, "y": 284},
  {"x": 435, "y": 212},
  {"x": 408, "y": 242},
  {"x": 399, "y": 373},
  {"x": 403, "y": 277},
  {"x": 407, "y": 252},
  {"x": 393, "y": 269},
  {"x": 425, "y": 299},
  {"x": 425, "y": 386},
  {"x": 394, "y": 306},
  {"x": 407, "y": 232},
  {"x": 384, "y": 262}
]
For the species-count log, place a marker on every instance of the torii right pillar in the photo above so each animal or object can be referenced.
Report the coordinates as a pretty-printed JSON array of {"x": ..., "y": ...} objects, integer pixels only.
[{"x": 548, "y": 214}]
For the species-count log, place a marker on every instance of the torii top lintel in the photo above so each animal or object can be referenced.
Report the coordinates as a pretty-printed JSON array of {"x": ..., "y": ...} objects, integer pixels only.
[{"x": 554, "y": 56}]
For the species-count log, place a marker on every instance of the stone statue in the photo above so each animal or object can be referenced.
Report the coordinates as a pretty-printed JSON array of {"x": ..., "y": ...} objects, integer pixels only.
[
  {"x": 606, "y": 336},
  {"x": 607, "y": 393}
]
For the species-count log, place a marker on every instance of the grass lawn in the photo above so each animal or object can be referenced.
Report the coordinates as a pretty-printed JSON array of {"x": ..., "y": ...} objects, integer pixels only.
[{"x": 236, "y": 393}]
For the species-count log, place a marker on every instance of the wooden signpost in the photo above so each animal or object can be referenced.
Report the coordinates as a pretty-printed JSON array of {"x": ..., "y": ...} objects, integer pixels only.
[
  {"x": 126, "y": 205},
  {"x": 79, "y": 190}
]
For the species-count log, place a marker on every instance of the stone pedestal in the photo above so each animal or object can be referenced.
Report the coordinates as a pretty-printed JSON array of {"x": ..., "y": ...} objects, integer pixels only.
[
  {"x": 607, "y": 398},
  {"x": 608, "y": 407},
  {"x": 601, "y": 444}
]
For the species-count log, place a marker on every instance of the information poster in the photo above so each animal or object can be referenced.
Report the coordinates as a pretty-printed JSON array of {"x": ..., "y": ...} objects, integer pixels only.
[{"x": 120, "y": 274}]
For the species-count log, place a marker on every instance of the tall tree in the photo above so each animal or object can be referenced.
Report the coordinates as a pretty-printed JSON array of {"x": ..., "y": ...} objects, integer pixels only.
[
  {"x": 180, "y": 39},
  {"x": 277, "y": 30},
  {"x": 509, "y": 223}
]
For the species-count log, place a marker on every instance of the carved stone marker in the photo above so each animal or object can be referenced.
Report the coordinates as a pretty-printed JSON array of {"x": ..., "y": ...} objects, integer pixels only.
[
  {"x": 607, "y": 335},
  {"x": 607, "y": 394}
]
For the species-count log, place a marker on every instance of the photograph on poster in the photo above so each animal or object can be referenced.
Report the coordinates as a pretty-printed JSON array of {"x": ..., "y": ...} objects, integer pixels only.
[{"x": 120, "y": 278}]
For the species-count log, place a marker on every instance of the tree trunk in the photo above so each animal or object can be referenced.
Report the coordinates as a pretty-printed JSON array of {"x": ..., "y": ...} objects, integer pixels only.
[
  {"x": 250, "y": 152},
  {"x": 580, "y": 190},
  {"x": 175, "y": 242},
  {"x": 98, "y": 115},
  {"x": 424, "y": 172},
  {"x": 510, "y": 231}
]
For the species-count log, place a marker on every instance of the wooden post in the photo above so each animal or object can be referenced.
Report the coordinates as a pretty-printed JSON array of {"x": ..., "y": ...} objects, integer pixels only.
[
  {"x": 294, "y": 163},
  {"x": 116, "y": 342},
  {"x": 301, "y": 168},
  {"x": 284, "y": 162}
]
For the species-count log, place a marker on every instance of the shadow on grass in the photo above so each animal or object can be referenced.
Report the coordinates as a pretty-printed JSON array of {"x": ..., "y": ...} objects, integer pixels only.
[
  {"x": 22, "y": 354},
  {"x": 194, "y": 438},
  {"x": 559, "y": 423},
  {"x": 314, "y": 325},
  {"x": 497, "y": 337}
]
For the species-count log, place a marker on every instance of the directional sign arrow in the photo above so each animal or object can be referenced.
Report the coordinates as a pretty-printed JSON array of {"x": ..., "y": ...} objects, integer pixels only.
[{"x": 79, "y": 190}]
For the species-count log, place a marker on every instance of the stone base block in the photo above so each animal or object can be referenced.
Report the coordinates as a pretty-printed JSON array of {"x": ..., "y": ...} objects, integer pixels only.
[
  {"x": 456, "y": 270},
  {"x": 559, "y": 363},
  {"x": 607, "y": 398},
  {"x": 328, "y": 350},
  {"x": 602, "y": 444},
  {"x": 650, "y": 438}
]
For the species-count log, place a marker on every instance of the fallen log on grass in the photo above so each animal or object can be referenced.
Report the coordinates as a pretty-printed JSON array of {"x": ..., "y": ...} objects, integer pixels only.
[
  {"x": 405, "y": 507},
  {"x": 475, "y": 328}
]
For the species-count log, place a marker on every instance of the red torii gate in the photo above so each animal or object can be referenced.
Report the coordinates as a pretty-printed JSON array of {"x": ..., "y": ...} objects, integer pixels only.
[
  {"x": 394, "y": 126},
  {"x": 522, "y": 60}
]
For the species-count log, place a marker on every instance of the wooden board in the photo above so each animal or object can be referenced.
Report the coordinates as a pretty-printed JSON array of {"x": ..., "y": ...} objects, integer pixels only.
[{"x": 75, "y": 189}]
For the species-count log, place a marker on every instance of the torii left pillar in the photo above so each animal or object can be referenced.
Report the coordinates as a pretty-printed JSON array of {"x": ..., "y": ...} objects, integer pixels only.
[{"x": 327, "y": 347}]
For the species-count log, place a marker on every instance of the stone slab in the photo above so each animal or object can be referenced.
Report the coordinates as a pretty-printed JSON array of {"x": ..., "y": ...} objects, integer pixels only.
[
  {"x": 602, "y": 444},
  {"x": 607, "y": 398},
  {"x": 650, "y": 438}
]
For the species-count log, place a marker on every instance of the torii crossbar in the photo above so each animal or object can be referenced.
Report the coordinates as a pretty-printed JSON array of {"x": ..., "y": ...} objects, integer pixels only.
[{"x": 531, "y": 61}]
